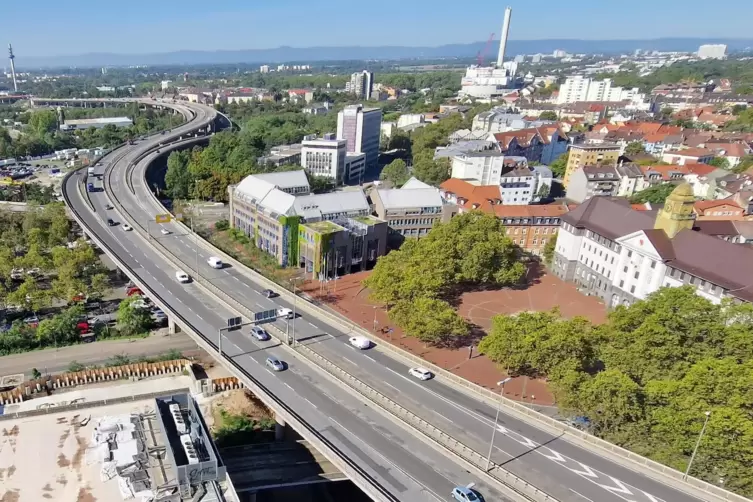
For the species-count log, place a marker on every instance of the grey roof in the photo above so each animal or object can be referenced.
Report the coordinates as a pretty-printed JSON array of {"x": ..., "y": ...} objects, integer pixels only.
[
  {"x": 609, "y": 217},
  {"x": 323, "y": 206},
  {"x": 270, "y": 199},
  {"x": 630, "y": 171},
  {"x": 464, "y": 147},
  {"x": 285, "y": 179},
  {"x": 413, "y": 197},
  {"x": 543, "y": 171},
  {"x": 601, "y": 173},
  {"x": 414, "y": 183}
]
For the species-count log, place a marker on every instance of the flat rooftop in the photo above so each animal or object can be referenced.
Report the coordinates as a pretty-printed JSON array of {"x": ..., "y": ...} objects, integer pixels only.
[{"x": 324, "y": 227}]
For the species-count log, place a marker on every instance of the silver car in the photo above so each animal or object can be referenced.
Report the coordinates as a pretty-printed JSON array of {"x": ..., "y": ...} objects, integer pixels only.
[
  {"x": 275, "y": 363},
  {"x": 260, "y": 333}
]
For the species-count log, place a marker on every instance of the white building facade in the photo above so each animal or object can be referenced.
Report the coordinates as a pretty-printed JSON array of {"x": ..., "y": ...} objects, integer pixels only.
[
  {"x": 579, "y": 88},
  {"x": 324, "y": 157}
]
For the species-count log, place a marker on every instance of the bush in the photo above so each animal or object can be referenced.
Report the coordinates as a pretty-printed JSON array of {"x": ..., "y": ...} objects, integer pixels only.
[{"x": 222, "y": 225}]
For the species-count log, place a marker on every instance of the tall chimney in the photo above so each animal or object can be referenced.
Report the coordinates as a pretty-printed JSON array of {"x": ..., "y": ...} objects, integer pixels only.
[
  {"x": 11, "y": 56},
  {"x": 503, "y": 38}
]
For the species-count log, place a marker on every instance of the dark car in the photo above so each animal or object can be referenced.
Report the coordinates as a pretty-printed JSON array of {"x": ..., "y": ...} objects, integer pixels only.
[
  {"x": 110, "y": 222},
  {"x": 269, "y": 293}
]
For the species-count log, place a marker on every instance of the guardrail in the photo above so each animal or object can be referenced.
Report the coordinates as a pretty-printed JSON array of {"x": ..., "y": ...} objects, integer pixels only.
[
  {"x": 365, "y": 481},
  {"x": 579, "y": 438}
]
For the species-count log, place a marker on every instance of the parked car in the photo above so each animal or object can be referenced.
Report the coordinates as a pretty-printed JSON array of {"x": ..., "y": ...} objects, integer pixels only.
[
  {"x": 420, "y": 373},
  {"x": 275, "y": 363},
  {"x": 260, "y": 333},
  {"x": 360, "y": 342},
  {"x": 133, "y": 290},
  {"x": 32, "y": 321}
]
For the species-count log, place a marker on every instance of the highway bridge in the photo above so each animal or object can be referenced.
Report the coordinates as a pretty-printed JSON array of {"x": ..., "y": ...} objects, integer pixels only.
[{"x": 395, "y": 437}]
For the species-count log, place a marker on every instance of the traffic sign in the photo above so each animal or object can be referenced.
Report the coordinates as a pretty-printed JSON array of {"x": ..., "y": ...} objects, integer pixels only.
[
  {"x": 178, "y": 216},
  {"x": 163, "y": 218},
  {"x": 265, "y": 315},
  {"x": 234, "y": 323}
]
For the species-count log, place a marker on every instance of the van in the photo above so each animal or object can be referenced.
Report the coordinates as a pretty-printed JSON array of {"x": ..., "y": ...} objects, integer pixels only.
[{"x": 214, "y": 262}]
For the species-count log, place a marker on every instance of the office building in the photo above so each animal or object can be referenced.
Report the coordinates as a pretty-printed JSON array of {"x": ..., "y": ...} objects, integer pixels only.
[
  {"x": 361, "y": 129},
  {"x": 361, "y": 84},
  {"x": 412, "y": 210},
  {"x": 712, "y": 51},
  {"x": 590, "y": 155},
  {"x": 264, "y": 68},
  {"x": 621, "y": 255},
  {"x": 579, "y": 88},
  {"x": 324, "y": 157},
  {"x": 355, "y": 167},
  {"x": 83, "y": 124},
  {"x": 282, "y": 155},
  {"x": 327, "y": 234}
]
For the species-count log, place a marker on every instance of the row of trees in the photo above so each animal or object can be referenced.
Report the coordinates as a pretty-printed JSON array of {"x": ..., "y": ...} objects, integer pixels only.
[
  {"x": 646, "y": 377},
  {"x": 415, "y": 282}
]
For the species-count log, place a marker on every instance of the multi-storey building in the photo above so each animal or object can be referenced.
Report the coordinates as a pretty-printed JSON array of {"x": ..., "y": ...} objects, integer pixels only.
[
  {"x": 282, "y": 155},
  {"x": 712, "y": 51},
  {"x": 579, "y": 88},
  {"x": 412, "y": 210},
  {"x": 304, "y": 230},
  {"x": 529, "y": 226},
  {"x": 361, "y": 84},
  {"x": 324, "y": 157},
  {"x": 361, "y": 129},
  {"x": 582, "y": 155},
  {"x": 518, "y": 182},
  {"x": 622, "y": 255},
  {"x": 593, "y": 181}
]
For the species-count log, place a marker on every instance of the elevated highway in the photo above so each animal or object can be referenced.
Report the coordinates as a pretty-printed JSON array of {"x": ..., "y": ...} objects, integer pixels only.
[{"x": 342, "y": 399}]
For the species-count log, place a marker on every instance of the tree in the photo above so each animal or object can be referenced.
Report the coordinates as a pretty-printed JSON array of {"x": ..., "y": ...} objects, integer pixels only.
[
  {"x": 656, "y": 194},
  {"x": 744, "y": 165},
  {"x": 430, "y": 320},
  {"x": 178, "y": 180},
  {"x": 543, "y": 192},
  {"x": 720, "y": 162},
  {"x": 634, "y": 148},
  {"x": 548, "y": 115},
  {"x": 399, "y": 140},
  {"x": 559, "y": 166},
  {"x": 549, "y": 248},
  {"x": 430, "y": 171},
  {"x": 61, "y": 330},
  {"x": 396, "y": 173},
  {"x": 132, "y": 319},
  {"x": 43, "y": 121},
  {"x": 611, "y": 400}
]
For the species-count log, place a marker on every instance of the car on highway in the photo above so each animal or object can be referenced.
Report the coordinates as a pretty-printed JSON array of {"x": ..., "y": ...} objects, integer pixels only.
[
  {"x": 182, "y": 277},
  {"x": 360, "y": 342},
  {"x": 215, "y": 262},
  {"x": 110, "y": 222},
  {"x": 108, "y": 207},
  {"x": 275, "y": 363},
  {"x": 466, "y": 494},
  {"x": 420, "y": 373},
  {"x": 285, "y": 313},
  {"x": 268, "y": 293},
  {"x": 260, "y": 333},
  {"x": 164, "y": 231},
  {"x": 127, "y": 227}
]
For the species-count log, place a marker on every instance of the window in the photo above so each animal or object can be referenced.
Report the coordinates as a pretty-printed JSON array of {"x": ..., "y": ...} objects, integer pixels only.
[
  {"x": 622, "y": 283},
  {"x": 692, "y": 279},
  {"x": 672, "y": 272},
  {"x": 682, "y": 276},
  {"x": 630, "y": 253},
  {"x": 636, "y": 274},
  {"x": 632, "y": 289},
  {"x": 612, "y": 261},
  {"x": 653, "y": 264},
  {"x": 625, "y": 269}
]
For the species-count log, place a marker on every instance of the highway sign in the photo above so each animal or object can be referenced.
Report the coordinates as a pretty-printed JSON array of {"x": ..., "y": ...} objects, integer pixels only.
[
  {"x": 178, "y": 216},
  {"x": 163, "y": 218},
  {"x": 234, "y": 323},
  {"x": 265, "y": 315}
]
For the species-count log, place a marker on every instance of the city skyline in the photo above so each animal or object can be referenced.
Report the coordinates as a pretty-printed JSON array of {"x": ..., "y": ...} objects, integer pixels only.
[{"x": 147, "y": 27}]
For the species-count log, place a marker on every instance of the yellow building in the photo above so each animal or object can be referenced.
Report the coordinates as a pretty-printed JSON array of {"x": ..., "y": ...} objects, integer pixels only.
[{"x": 605, "y": 154}]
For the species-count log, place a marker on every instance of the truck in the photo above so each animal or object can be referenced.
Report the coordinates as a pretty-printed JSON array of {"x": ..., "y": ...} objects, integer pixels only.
[
  {"x": 90, "y": 187},
  {"x": 90, "y": 171}
]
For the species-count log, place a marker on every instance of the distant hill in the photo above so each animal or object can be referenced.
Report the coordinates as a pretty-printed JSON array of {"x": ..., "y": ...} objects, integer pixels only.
[{"x": 311, "y": 54}]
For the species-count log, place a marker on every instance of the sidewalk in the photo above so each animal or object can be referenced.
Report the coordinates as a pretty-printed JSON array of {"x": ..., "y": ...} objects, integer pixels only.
[{"x": 348, "y": 297}]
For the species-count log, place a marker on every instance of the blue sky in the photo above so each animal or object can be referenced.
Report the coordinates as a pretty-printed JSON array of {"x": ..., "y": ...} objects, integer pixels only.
[{"x": 52, "y": 27}]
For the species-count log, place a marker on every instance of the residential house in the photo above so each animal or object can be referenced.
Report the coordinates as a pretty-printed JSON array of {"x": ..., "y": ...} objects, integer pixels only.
[
  {"x": 719, "y": 209},
  {"x": 688, "y": 155},
  {"x": 582, "y": 155},
  {"x": 730, "y": 184},
  {"x": 593, "y": 181},
  {"x": 526, "y": 143}
]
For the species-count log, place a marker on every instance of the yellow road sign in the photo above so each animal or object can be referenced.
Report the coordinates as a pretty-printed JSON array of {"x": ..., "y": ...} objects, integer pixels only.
[{"x": 163, "y": 218}]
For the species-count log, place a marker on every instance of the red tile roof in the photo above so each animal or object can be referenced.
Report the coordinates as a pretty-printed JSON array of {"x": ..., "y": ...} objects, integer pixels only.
[
  {"x": 691, "y": 152},
  {"x": 705, "y": 205},
  {"x": 699, "y": 169}
]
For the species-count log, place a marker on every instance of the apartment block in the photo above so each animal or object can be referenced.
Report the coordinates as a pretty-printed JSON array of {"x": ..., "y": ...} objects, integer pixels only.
[
  {"x": 361, "y": 129},
  {"x": 582, "y": 155},
  {"x": 324, "y": 157}
]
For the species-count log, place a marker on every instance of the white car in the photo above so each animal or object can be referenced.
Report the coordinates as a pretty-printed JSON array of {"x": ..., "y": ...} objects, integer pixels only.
[
  {"x": 360, "y": 342},
  {"x": 165, "y": 231},
  {"x": 420, "y": 373},
  {"x": 285, "y": 313},
  {"x": 127, "y": 227},
  {"x": 182, "y": 276}
]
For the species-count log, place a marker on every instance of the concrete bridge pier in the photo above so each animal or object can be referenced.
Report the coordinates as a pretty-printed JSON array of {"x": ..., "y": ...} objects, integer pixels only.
[
  {"x": 279, "y": 429},
  {"x": 172, "y": 328}
]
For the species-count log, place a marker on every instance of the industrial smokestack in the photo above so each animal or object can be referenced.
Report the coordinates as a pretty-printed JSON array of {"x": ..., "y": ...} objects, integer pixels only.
[
  {"x": 503, "y": 38},
  {"x": 12, "y": 67}
]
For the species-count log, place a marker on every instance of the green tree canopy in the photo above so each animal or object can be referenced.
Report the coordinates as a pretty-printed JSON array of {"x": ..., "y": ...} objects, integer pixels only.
[
  {"x": 655, "y": 194},
  {"x": 559, "y": 166},
  {"x": 396, "y": 173}
]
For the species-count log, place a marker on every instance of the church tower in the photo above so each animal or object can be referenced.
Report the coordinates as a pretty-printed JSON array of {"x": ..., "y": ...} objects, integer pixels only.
[{"x": 677, "y": 213}]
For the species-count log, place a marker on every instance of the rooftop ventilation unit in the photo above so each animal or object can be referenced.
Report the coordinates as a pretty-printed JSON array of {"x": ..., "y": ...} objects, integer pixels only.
[
  {"x": 180, "y": 424},
  {"x": 188, "y": 448}
]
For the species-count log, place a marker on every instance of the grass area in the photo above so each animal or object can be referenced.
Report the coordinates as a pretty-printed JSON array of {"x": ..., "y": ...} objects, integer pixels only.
[
  {"x": 323, "y": 227},
  {"x": 367, "y": 220},
  {"x": 123, "y": 359},
  {"x": 240, "y": 418},
  {"x": 245, "y": 252}
]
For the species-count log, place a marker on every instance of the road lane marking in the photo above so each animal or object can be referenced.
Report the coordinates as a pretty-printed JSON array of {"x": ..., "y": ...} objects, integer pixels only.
[
  {"x": 369, "y": 357},
  {"x": 288, "y": 386},
  {"x": 312, "y": 325},
  {"x": 312, "y": 404},
  {"x": 580, "y": 495}
]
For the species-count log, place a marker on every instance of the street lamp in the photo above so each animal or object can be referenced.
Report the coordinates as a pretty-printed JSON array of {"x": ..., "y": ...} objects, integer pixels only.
[
  {"x": 496, "y": 420},
  {"x": 697, "y": 444}
]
